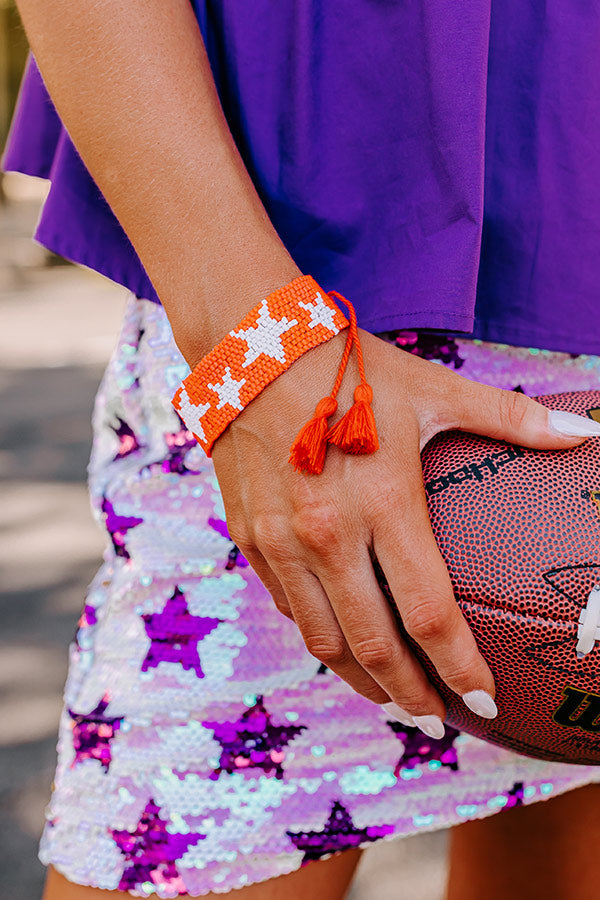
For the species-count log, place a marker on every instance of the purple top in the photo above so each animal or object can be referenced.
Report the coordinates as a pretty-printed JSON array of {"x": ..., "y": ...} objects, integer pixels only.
[{"x": 437, "y": 163}]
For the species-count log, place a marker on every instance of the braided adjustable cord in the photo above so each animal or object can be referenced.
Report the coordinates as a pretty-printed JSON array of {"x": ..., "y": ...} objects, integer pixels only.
[{"x": 355, "y": 432}]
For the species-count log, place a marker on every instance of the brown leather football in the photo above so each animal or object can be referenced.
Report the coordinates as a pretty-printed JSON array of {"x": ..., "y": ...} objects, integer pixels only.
[{"x": 519, "y": 530}]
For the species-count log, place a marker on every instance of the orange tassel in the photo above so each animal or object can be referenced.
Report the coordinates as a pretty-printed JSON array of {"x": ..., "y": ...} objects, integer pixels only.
[
  {"x": 307, "y": 453},
  {"x": 356, "y": 431}
]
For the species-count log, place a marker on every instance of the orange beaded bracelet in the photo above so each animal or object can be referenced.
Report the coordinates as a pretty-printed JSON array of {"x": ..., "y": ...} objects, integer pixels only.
[{"x": 284, "y": 325}]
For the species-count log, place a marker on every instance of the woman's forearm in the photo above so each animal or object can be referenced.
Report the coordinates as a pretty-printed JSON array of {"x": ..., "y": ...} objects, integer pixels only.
[{"x": 133, "y": 86}]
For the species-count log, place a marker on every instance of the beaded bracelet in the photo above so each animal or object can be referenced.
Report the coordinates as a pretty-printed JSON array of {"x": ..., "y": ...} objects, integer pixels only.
[{"x": 284, "y": 325}]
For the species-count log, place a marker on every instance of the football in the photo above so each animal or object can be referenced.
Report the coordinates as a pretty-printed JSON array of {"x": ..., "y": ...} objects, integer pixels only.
[{"x": 519, "y": 529}]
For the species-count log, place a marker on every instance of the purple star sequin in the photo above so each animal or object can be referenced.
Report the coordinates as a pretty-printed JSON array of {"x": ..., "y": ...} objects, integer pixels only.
[
  {"x": 118, "y": 526},
  {"x": 516, "y": 795},
  {"x": 235, "y": 558},
  {"x": 253, "y": 741},
  {"x": 427, "y": 345},
  {"x": 151, "y": 851},
  {"x": 419, "y": 748},
  {"x": 128, "y": 443},
  {"x": 174, "y": 634},
  {"x": 339, "y": 833},
  {"x": 88, "y": 616},
  {"x": 93, "y": 732},
  {"x": 179, "y": 443},
  {"x": 86, "y": 620}
]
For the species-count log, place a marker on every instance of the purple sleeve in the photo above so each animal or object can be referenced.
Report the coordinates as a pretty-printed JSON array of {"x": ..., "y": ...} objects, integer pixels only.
[
  {"x": 76, "y": 221},
  {"x": 35, "y": 127}
]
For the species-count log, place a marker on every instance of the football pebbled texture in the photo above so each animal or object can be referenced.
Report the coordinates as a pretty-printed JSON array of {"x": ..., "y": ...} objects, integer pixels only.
[{"x": 519, "y": 529}]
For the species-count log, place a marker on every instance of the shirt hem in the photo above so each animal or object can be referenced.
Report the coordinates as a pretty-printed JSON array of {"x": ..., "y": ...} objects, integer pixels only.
[{"x": 467, "y": 326}]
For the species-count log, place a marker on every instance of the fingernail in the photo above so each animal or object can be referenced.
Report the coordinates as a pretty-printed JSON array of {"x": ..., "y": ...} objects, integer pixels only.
[
  {"x": 481, "y": 703},
  {"x": 396, "y": 712},
  {"x": 432, "y": 726},
  {"x": 562, "y": 422}
]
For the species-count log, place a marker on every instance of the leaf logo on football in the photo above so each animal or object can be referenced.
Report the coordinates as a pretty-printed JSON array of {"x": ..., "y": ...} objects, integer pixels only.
[
  {"x": 574, "y": 582},
  {"x": 558, "y": 653}
]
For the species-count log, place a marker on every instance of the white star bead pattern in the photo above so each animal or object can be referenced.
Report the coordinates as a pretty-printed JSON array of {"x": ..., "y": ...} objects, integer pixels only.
[
  {"x": 192, "y": 414},
  {"x": 228, "y": 390},
  {"x": 271, "y": 336},
  {"x": 321, "y": 314},
  {"x": 266, "y": 337}
]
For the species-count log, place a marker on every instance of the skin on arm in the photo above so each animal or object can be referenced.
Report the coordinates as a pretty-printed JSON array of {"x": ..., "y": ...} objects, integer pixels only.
[{"x": 133, "y": 86}]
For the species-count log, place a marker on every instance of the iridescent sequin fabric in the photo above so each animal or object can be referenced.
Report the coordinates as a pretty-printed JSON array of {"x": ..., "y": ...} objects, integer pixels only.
[{"x": 201, "y": 747}]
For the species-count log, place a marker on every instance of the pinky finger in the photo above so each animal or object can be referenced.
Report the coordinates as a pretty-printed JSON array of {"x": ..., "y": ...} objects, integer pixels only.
[
  {"x": 269, "y": 580},
  {"x": 324, "y": 639}
]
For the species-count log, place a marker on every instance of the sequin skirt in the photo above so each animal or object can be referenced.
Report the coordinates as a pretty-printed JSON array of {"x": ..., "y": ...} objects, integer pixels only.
[{"x": 201, "y": 747}]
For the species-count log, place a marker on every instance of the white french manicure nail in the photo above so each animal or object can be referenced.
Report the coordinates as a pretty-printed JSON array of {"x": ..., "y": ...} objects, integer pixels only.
[
  {"x": 396, "y": 712},
  {"x": 432, "y": 726},
  {"x": 481, "y": 703},
  {"x": 563, "y": 422}
]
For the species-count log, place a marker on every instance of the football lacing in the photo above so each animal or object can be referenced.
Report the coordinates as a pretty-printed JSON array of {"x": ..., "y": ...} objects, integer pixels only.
[{"x": 588, "y": 631}]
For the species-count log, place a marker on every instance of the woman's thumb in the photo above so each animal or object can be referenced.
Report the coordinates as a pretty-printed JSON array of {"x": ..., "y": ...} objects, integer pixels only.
[{"x": 512, "y": 416}]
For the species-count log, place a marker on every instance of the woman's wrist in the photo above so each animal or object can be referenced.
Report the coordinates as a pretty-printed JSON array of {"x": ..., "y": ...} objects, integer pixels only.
[
  {"x": 271, "y": 337},
  {"x": 200, "y": 323},
  {"x": 288, "y": 322}
]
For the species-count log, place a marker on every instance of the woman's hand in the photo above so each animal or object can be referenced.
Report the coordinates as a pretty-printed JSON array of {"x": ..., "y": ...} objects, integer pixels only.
[{"x": 311, "y": 538}]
